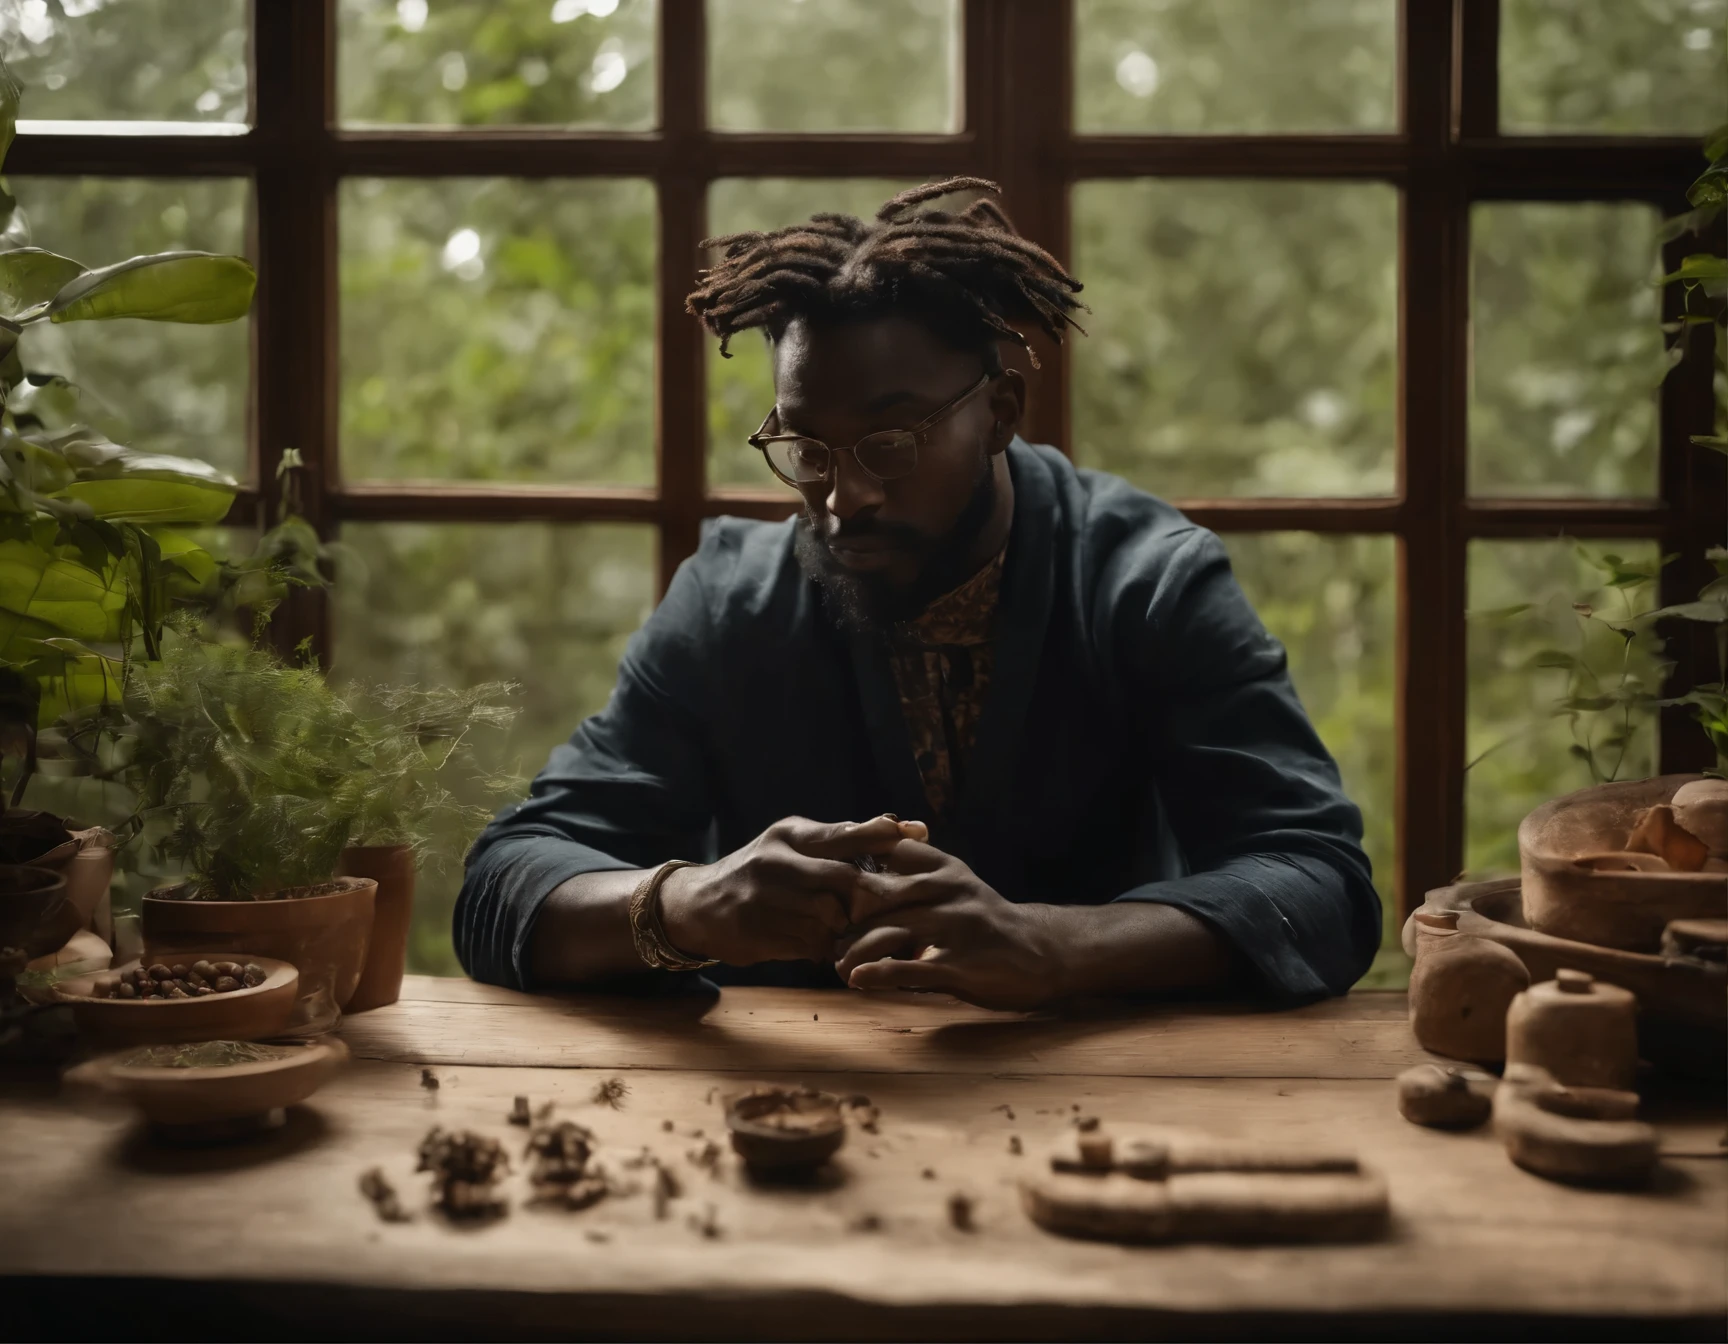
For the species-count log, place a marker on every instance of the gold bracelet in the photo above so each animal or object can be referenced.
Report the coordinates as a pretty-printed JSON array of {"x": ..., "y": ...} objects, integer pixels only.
[{"x": 648, "y": 933}]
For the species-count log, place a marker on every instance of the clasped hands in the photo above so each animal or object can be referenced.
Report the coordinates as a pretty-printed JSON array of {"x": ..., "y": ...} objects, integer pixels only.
[{"x": 926, "y": 922}]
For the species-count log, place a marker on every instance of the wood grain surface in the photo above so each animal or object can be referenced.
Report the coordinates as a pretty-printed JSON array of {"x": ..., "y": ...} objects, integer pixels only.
[{"x": 278, "y": 1230}]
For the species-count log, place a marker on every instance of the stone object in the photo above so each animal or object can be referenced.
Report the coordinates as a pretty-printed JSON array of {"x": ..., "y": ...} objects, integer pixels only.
[
  {"x": 1583, "y": 1032},
  {"x": 1578, "y": 1135},
  {"x": 1460, "y": 989},
  {"x": 1445, "y": 1098}
]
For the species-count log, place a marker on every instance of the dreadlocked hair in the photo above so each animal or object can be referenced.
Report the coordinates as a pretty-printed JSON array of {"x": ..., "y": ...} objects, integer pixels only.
[{"x": 967, "y": 274}]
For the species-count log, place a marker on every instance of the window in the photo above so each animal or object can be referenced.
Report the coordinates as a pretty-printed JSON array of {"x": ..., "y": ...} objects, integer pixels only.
[{"x": 1370, "y": 280}]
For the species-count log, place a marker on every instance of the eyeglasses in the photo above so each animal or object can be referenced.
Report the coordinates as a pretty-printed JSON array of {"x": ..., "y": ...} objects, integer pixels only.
[{"x": 892, "y": 453}]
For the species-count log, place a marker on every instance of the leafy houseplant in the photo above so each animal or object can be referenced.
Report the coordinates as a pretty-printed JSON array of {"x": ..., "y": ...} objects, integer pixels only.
[
  {"x": 254, "y": 776},
  {"x": 94, "y": 549}
]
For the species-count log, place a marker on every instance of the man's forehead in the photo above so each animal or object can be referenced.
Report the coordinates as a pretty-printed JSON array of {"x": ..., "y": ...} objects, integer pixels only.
[{"x": 866, "y": 366}]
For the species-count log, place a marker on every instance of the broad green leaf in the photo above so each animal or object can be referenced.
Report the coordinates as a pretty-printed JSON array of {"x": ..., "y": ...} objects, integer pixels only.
[
  {"x": 1716, "y": 442},
  {"x": 33, "y": 466},
  {"x": 121, "y": 484},
  {"x": 1700, "y": 267},
  {"x": 166, "y": 287},
  {"x": 30, "y": 277},
  {"x": 44, "y": 594},
  {"x": 1716, "y": 143},
  {"x": 1709, "y": 612}
]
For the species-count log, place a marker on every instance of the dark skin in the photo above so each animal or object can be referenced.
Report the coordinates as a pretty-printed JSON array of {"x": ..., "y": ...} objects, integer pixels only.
[{"x": 792, "y": 893}]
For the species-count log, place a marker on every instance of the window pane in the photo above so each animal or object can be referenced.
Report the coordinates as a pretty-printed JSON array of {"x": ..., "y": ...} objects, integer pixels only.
[
  {"x": 547, "y": 606},
  {"x": 1612, "y": 67},
  {"x": 160, "y": 386},
  {"x": 496, "y": 62},
  {"x": 1243, "y": 336},
  {"x": 1331, "y": 601},
  {"x": 833, "y": 65},
  {"x": 496, "y": 329},
  {"x": 1521, "y": 753},
  {"x": 128, "y": 60},
  {"x": 741, "y": 388},
  {"x": 1566, "y": 349},
  {"x": 1246, "y": 66}
]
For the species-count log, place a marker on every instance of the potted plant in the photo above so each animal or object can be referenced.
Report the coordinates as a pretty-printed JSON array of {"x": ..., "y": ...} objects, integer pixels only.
[
  {"x": 243, "y": 767},
  {"x": 409, "y": 743},
  {"x": 94, "y": 549}
]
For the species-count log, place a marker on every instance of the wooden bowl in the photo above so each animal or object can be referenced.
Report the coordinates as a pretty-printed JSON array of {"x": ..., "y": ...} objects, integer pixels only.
[
  {"x": 239, "y": 1015},
  {"x": 1620, "y": 909},
  {"x": 200, "y": 1098},
  {"x": 36, "y": 915},
  {"x": 785, "y": 1128}
]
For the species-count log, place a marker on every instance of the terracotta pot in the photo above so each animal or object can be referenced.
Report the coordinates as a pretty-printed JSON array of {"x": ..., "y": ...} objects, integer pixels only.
[
  {"x": 1460, "y": 990},
  {"x": 36, "y": 917},
  {"x": 392, "y": 868},
  {"x": 1625, "y": 909},
  {"x": 323, "y": 936}
]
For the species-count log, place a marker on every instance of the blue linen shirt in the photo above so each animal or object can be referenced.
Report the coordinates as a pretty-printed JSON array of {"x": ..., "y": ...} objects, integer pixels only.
[{"x": 1140, "y": 741}]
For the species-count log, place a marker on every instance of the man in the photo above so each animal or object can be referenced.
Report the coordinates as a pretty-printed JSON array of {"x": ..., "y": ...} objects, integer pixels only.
[{"x": 1107, "y": 782}]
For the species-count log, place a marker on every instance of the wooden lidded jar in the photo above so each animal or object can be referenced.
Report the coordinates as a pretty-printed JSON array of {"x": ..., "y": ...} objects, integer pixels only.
[
  {"x": 1582, "y": 1031},
  {"x": 1461, "y": 989}
]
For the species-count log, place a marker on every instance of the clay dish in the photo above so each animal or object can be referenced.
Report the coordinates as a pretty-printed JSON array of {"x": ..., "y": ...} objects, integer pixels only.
[
  {"x": 195, "y": 1098},
  {"x": 1568, "y": 893},
  {"x": 36, "y": 915},
  {"x": 239, "y": 1015},
  {"x": 785, "y": 1128}
]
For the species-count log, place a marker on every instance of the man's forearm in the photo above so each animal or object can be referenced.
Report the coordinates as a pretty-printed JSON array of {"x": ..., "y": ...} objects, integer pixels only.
[
  {"x": 1137, "y": 947},
  {"x": 582, "y": 933}
]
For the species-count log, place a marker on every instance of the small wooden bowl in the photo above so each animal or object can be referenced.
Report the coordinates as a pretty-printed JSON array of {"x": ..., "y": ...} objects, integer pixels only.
[
  {"x": 785, "y": 1128},
  {"x": 201, "y": 1101},
  {"x": 239, "y": 1015}
]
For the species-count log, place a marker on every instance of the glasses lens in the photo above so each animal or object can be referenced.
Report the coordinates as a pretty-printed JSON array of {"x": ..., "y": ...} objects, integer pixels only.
[
  {"x": 801, "y": 461},
  {"x": 888, "y": 455}
]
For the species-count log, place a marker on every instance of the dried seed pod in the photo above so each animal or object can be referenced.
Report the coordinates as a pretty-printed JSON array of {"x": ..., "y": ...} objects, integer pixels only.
[
  {"x": 175, "y": 992},
  {"x": 252, "y": 978},
  {"x": 126, "y": 991},
  {"x": 226, "y": 984},
  {"x": 253, "y": 968},
  {"x": 179, "y": 972},
  {"x": 205, "y": 969},
  {"x": 161, "y": 972},
  {"x": 232, "y": 968},
  {"x": 196, "y": 981},
  {"x": 202, "y": 991}
]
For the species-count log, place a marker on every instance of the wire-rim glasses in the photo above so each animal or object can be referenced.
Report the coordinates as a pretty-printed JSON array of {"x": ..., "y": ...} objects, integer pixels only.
[{"x": 802, "y": 462}]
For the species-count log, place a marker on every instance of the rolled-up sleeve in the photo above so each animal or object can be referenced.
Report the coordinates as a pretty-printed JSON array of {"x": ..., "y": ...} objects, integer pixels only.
[
  {"x": 1271, "y": 843},
  {"x": 628, "y": 790}
]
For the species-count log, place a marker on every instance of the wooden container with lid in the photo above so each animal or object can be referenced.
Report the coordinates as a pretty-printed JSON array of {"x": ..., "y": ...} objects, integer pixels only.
[{"x": 1582, "y": 1031}]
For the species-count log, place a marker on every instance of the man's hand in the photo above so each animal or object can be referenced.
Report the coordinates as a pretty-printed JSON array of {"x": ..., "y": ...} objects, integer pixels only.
[
  {"x": 782, "y": 897},
  {"x": 932, "y": 923}
]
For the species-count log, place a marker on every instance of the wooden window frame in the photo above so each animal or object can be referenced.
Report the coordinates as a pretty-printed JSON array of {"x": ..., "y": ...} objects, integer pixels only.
[{"x": 1016, "y": 127}]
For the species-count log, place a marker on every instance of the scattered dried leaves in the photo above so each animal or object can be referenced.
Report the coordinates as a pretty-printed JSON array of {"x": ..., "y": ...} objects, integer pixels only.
[
  {"x": 465, "y": 1169},
  {"x": 383, "y": 1196},
  {"x": 960, "y": 1212},
  {"x": 611, "y": 1092}
]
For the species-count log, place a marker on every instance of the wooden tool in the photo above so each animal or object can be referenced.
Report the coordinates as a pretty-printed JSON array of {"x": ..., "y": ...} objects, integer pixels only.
[
  {"x": 1579, "y": 1135},
  {"x": 1150, "y": 1185}
]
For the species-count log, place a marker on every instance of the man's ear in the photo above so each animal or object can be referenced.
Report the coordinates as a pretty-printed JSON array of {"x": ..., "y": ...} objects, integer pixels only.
[{"x": 1007, "y": 407}]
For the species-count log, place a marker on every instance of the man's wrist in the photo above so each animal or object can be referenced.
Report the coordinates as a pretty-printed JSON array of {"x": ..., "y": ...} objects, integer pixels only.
[
  {"x": 679, "y": 912},
  {"x": 1064, "y": 950}
]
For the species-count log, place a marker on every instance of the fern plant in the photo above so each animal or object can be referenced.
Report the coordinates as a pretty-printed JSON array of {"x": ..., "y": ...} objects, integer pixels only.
[{"x": 252, "y": 774}]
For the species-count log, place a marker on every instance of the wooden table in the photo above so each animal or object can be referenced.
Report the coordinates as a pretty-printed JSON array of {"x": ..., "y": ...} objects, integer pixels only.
[{"x": 97, "y": 1220}]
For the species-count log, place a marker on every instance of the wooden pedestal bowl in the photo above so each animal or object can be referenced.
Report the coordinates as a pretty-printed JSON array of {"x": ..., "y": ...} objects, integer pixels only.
[
  {"x": 239, "y": 1015},
  {"x": 201, "y": 1104},
  {"x": 1627, "y": 910}
]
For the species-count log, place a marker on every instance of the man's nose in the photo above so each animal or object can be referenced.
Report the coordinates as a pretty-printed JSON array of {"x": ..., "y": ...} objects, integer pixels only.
[{"x": 852, "y": 489}]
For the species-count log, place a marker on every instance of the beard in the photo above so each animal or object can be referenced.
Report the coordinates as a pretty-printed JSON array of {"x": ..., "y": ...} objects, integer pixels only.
[{"x": 870, "y": 604}]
